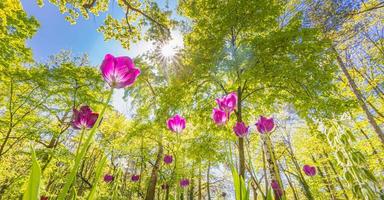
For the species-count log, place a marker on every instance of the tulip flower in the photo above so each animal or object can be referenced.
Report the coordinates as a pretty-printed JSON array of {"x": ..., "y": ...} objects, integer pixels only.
[
  {"x": 119, "y": 72},
  {"x": 240, "y": 129},
  {"x": 43, "y": 198},
  {"x": 176, "y": 124},
  {"x": 135, "y": 178},
  {"x": 227, "y": 103},
  {"x": 276, "y": 188},
  {"x": 168, "y": 159},
  {"x": 309, "y": 170},
  {"x": 83, "y": 118},
  {"x": 184, "y": 182},
  {"x": 265, "y": 125},
  {"x": 108, "y": 178},
  {"x": 219, "y": 116}
]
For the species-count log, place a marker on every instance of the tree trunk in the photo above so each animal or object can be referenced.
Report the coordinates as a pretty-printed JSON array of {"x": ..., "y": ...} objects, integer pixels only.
[
  {"x": 200, "y": 197},
  {"x": 152, "y": 183},
  {"x": 291, "y": 185},
  {"x": 192, "y": 185},
  {"x": 307, "y": 191},
  {"x": 208, "y": 186},
  {"x": 325, "y": 180},
  {"x": 10, "y": 119},
  {"x": 241, "y": 140},
  {"x": 374, "y": 151},
  {"x": 265, "y": 171},
  {"x": 254, "y": 190},
  {"x": 191, "y": 190},
  {"x": 336, "y": 177},
  {"x": 360, "y": 98},
  {"x": 272, "y": 166},
  {"x": 166, "y": 193}
]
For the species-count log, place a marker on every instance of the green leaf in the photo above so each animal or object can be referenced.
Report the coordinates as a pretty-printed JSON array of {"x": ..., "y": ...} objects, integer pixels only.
[
  {"x": 241, "y": 190},
  {"x": 369, "y": 175},
  {"x": 236, "y": 183},
  {"x": 99, "y": 170},
  {"x": 32, "y": 190},
  {"x": 269, "y": 195}
]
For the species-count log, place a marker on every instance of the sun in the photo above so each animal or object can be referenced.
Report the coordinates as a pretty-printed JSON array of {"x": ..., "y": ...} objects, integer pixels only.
[{"x": 167, "y": 53}]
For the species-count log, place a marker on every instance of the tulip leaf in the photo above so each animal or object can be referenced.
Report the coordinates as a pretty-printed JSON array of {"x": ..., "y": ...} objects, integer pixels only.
[
  {"x": 236, "y": 183},
  {"x": 99, "y": 170},
  {"x": 33, "y": 187},
  {"x": 269, "y": 195},
  {"x": 241, "y": 191}
]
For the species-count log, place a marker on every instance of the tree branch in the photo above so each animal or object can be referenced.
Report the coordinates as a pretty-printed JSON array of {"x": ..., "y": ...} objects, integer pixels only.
[{"x": 129, "y": 6}]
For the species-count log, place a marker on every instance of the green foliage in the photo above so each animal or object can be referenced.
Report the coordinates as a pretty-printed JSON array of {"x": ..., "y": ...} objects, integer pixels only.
[
  {"x": 15, "y": 28},
  {"x": 241, "y": 191},
  {"x": 33, "y": 186}
]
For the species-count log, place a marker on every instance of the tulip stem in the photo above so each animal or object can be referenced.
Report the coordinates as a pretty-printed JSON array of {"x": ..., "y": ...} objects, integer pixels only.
[
  {"x": 83, "y": 151},
  {"x": 81, "y": 140}
]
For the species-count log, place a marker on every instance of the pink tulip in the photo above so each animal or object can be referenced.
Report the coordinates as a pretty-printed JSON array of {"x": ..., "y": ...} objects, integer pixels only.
[
  {"x": 83, "y": 118},
  {"x": 184, "y": 182},
  {"x": 227, "y": 103},
  {"x": 309, "y": 170},
  {"x": 219, "y": 116},
  {"x": 176, "y": 124},
  {"x": 119, "y": 72},
  {"x": 240, "y": 129},
  {"x": 43, "y": 198},
  {"x": 276, "y": 188},
  {"x": 108, "y": 178},
  {"x": 135, "y": 178},
  {"x": 168, "y": 159},
  {"x": 265, "y": 125}
]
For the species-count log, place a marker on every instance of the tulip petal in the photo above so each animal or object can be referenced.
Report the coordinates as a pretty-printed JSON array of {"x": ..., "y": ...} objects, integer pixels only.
[
  {"x": 128, "y": 78},
  {"x": 176, "y": 123},
  {"x": 219, "y": 116},
  {"x": 309, "y": 170},
  {"x": 119, "y": 72},
  {"x": 125, "y": 72},
  {"x": 108, "y": 69},
  {"x": 83, "y": 118},
  {"x": 92, "y": 120},
  {"x": 240, "y": 129},
  {"x": 265, "y": 125}
]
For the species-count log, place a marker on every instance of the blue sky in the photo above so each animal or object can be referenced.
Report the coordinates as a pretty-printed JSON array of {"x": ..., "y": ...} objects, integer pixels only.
[{"x": 55, "y": 34}]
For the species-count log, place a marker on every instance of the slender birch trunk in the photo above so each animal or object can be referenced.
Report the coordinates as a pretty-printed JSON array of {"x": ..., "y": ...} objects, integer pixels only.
[
  {"x": 272, "y": 165},
  {"x": 360, "y": 97}
]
